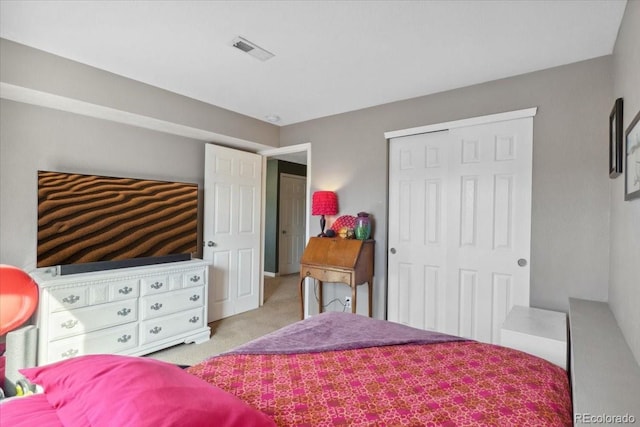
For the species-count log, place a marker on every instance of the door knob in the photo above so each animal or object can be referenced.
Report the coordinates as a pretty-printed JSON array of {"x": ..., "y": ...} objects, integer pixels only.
[
  {"x": 210, "y": 244},
  {"x": 522, "y": 262},
  {"x": 392, "y": 250}
]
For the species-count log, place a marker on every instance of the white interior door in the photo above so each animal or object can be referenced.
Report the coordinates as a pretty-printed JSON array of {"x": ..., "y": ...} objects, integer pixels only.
[
  {"x": 460, "y": 227},
  {"x": 292, "y": 222},
  {"x": 232, "y": 191}
]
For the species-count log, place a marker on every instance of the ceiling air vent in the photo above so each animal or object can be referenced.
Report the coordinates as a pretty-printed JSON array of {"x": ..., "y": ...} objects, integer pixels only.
[{"x": 251, "y": 48}]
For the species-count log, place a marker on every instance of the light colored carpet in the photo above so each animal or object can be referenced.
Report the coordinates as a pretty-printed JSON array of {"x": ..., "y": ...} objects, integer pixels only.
[{"x": 281, "y": 308}]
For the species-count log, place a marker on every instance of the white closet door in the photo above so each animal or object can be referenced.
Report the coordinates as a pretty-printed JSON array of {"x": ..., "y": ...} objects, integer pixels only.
[{"x": 460, "y": 227}]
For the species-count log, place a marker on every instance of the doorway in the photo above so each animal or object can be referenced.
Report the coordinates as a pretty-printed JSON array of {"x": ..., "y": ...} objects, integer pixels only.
[{"x": 286, "y": 161}]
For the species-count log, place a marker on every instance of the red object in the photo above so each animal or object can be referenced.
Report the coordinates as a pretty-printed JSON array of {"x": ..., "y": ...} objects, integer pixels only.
[
  {"x": 455, "y": 383},
  {"x": 103, "y": 390},
  {"x": 18, "y": 297},
  {"x": 324, "y": 203},
  {"x": 39, "y": 410},
  {"x": 344, "y": 221}
]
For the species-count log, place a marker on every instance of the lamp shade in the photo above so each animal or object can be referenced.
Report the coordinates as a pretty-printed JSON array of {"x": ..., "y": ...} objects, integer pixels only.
[
  {"x": 324, "y": 203},
  {"x": 18, "y": 297}
]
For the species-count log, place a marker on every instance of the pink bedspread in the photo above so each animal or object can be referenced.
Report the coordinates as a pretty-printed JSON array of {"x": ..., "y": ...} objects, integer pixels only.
[
  {"x": 30, "y": 411},
  {"x": 448, "y": 384}
]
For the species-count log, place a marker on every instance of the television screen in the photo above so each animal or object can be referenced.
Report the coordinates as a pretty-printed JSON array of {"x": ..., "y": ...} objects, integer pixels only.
[{"x": 108, "y": 222}]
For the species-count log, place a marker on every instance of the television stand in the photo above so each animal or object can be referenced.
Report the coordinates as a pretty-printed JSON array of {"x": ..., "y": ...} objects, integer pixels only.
[{"x": 130, "y": 311}]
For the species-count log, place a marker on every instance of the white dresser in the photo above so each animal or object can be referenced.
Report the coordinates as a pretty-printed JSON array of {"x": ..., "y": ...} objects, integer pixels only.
[{"x": 131, "y": 311}]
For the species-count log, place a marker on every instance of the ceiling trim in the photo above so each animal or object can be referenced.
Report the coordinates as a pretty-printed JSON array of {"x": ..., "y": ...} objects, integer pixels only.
[
  {"x": 286, "y": 150},
  {"x": 491, "y": 118},
  {"x": 44, "y": 99}
]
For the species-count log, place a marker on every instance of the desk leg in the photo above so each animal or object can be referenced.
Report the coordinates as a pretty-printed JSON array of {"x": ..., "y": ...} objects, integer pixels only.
[
  {"x": 302, "y": 298},
  {"x": 354, "y": 295},
  {"x": 370, "y": 296},
  {"x": 320, "y": 305}
]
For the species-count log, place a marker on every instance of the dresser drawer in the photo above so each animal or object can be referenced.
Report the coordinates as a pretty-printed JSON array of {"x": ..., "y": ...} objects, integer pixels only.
[
  {"x": 196, "y": 278},
  {"x": 68, "y": 298},
  {"x": 154, "y": 285},
  {"x": 174, "y": 324},
  {"x": 171, "y": 302},
  {"x": 87, "y": 319},
  {"x": 124, "y": 290},
  {"x": 337, "y": 276},
  {"x": 112, "y": 340}
]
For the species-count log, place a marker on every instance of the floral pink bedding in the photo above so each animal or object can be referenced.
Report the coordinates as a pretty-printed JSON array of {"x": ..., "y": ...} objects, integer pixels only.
[
  {"x": 332, "y": 369},
  {"x": 450, "y": 384}
]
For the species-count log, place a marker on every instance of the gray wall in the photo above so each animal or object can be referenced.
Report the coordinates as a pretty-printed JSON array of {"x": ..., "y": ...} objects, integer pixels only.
[
  {"x": 31, "y": 68},
  {"x": 33, "y": 138},
  {"x": 570, "y": 222},
  {"x": 271, "y": 217},
  {"x": 624, "y": 285}
]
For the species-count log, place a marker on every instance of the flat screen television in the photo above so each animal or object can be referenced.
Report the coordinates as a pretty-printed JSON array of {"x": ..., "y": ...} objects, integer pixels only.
[{"x": 91, "y": 222}]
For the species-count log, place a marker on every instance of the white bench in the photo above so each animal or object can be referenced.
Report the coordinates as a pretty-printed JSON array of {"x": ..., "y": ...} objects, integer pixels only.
[{"x": 605, "y": 377}]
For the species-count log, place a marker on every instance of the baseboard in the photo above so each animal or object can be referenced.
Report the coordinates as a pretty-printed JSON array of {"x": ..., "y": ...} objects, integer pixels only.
[{"x": 270, "y": 274}]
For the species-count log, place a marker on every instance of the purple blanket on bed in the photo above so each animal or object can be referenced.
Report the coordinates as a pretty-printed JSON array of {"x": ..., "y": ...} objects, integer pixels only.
[{"x": 338, "y": 331}]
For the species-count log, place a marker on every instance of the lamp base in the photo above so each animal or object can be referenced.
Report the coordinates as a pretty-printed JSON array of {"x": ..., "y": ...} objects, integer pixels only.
[{"x": 323, "y": 222}]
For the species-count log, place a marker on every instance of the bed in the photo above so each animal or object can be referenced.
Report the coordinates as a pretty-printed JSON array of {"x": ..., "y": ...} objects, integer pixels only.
[{"x": 331, "y": 369}]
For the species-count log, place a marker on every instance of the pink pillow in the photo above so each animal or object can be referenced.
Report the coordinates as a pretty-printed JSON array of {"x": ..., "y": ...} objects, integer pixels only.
[{"x": 111, "y": 390}]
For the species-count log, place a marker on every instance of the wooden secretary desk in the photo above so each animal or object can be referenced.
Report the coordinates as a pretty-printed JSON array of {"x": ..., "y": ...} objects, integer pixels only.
[{"x": 338, "y": 260}]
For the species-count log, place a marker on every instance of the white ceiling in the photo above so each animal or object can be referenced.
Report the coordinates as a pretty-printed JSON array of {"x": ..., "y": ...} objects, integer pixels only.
[{"x": 330, "y": 56}]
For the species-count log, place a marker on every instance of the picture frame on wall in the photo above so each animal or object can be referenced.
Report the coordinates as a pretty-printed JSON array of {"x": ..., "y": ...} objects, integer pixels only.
[
  {"x": 632, "y": 159},
  {"x": 615, "y": 140}
]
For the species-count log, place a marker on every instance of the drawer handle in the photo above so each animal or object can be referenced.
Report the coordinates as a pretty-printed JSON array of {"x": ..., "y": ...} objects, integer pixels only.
[
  {"x": 308, "y": 273},
  {"x": 155, "y": 330},
  {"x": 69, "y": 324},
  {"x": 194, "y": 319},
  {"x": 156, "y": 306},
  {"x": 71, "y": 299},
  {"x": 157, "y": 285},
  {"x": 194, "y": 297},
  {"x": 124, "y": 312},
  {"x": 126, "y": 290},
  {"x": 195, "y": 278},
  {"x": 124, "y": 338},
  {"x": 69, "y": 353}
]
